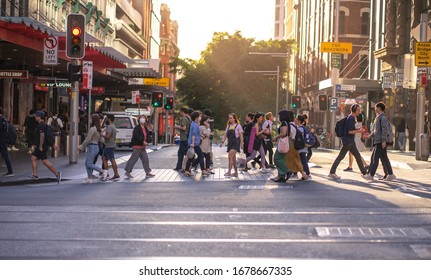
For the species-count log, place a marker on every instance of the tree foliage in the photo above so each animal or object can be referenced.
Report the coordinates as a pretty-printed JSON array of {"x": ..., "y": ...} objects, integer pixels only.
[{"x": 218, "y": 80}]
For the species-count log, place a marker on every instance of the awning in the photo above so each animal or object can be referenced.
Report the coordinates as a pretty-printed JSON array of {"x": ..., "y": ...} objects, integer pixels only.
[
  {"x": 111, "y": 52},
  {"x": 138, "y": 72},
  {"x": 361, "y": 84}
]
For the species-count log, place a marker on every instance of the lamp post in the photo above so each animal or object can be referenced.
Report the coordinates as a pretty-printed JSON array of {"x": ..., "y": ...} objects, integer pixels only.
[
  {"x": 277, "y": 73},
  {"x": 287, "y": 55}
]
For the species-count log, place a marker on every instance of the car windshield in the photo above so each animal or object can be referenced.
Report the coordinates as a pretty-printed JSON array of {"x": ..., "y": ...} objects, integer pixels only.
[{"x": 123, "y": 122}]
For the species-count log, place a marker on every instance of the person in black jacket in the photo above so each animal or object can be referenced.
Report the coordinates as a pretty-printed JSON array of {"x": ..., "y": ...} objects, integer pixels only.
[{"x": 142, "y": 136}]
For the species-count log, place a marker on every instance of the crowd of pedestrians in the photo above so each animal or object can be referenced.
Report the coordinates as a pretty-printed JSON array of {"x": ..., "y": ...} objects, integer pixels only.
[{"x": 257, "y": 135}]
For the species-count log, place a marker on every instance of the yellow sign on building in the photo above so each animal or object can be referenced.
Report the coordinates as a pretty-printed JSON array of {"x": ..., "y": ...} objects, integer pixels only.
[
  {"x": 423, "y": 54},
  {"x": 336, "y": 47},
  {"x": 163, "y": 82}
]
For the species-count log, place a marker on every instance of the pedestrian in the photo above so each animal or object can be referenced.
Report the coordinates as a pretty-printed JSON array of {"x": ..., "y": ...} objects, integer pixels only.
[
  {"x": 91, "y": 142},
  {"x": 359, "y": 144},
  {"x": 280, "y": 157},
  {"x": 300, "y": 122},
  {"x": 401, "y": 135},
  {"x": 248, "y": 125},
  {"x": 349, "y": 143},
  {"x": 183, "y": 127},
  {"x": 194, "y": 141},
  {"x": 30, "y": 126},
  {"x": 141, "y": 137},
  {"x": 256, "y": 142},
  {"x": 311, "y": 130},
  {"x": 379, "y": 134},
  {"x": 110, "y": 137},
  {"x": 267, "y": 140},
  {"x": 41, "y": 148},
  {"x": 293, "y": 159},
  {"x": 235, "y": 140},
  {"x": 205, "y": 132},
  {"x": 208, "y": 113},
  {"x": 3, "y": 145}
]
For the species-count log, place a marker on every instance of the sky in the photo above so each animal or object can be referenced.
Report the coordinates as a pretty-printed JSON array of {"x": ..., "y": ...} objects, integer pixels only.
[{"x": 199, "y": 19}]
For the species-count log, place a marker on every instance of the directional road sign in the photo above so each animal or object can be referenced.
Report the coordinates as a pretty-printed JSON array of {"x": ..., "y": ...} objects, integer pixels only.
[
  {"x": 423, "y": 54},
  {"x": 336, "y": 47}
]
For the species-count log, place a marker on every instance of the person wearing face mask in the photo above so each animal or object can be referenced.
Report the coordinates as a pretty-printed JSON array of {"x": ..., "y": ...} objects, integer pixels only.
[
  {"x": 194, "y": 142},
  {"x": 140, "y": 139}
]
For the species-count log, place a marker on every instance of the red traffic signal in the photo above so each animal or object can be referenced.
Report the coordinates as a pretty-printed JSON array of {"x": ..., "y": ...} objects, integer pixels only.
[
  {"x": 296, "y": 102},
  {"x": 323, "y": 102},
  {"x": 75, "y": 36},
  {"x": 169, "y": 104}
]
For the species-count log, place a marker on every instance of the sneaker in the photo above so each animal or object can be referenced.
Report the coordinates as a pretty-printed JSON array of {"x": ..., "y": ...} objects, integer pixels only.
[
  {"x": 383, "y": 178},
  {"x": 149, "y": 175},
  {"x": 115, "y": 178},
  {"x": 104, "y": 175},
  {"x": 58, "y": 176},
  {"x": 348, "y": 169},
  {"x": 294, "y": 176},
  {"x": 14, "y": 148},
  {"x": 128, "y": 175},
  {"x": 88, "y": 180},
  {"x": 390, "y": 177},
  {"x": 33, "y": 177},
  {"x": 264, "y": 170},
  {"x": 309, "y": 177},
  {"x": 9, "y": 174},
  {"x": 334, "y": 176},
  {"x": 368, "y": 177}
]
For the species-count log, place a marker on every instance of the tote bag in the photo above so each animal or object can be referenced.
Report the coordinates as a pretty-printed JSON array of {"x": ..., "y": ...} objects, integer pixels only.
[{"x": 283, "y": 145}]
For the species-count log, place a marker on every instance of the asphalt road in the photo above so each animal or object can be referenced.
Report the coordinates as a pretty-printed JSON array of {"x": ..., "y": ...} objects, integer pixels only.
[{"x": 316, "y": 219}]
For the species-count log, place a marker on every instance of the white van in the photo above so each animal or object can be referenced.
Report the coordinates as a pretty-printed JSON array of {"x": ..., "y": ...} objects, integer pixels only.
[{"x": 125, "y": 125}]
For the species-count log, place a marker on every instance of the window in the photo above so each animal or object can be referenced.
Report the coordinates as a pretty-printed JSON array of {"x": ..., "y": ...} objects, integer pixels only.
[
  {"x": 365, "y": 29},
  {"x": 342, "y": 22}
]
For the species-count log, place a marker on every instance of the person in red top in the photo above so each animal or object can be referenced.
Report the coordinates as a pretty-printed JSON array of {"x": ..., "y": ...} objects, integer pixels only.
[{"x": 140, "y": 139}]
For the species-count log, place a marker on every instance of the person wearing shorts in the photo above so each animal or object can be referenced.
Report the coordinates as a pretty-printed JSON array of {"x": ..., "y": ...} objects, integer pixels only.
[{"x": 110, "y": 136}]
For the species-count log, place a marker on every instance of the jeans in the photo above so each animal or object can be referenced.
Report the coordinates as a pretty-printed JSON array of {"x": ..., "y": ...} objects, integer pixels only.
[
  {"x": 5, "y": 155},
  {"x": 380, "y": 154},
  {"x": 92, "y": 151},
  {"x": 182, "y": 151},
  {"x": 344, "y": 149},
  {"x": 402, "y": 140},
  {"x": 304, "y": 161},
  {"x": 200, "y": 158}
]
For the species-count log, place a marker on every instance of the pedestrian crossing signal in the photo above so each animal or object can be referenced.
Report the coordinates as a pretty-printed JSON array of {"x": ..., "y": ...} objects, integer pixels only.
[
  {"x": 169, "y": 104},
  {"x": 323, "y": 102},
  {"x": 296, "y": 102},
  {"x": 157, "y": 99}
]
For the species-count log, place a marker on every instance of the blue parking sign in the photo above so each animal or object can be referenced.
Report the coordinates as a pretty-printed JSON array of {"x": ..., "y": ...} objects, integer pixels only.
[{"x": 333, "y": 104}]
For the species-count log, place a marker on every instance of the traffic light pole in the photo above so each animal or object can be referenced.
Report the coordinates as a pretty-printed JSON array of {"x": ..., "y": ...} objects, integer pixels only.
[
  {"x": 73, "y": 131},
  {"x": 335, "y": 73}
]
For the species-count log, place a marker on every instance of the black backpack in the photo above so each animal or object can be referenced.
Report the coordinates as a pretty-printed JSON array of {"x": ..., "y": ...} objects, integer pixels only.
[
  {"x": 55, "y": 127},
  {"x": 298, "y": 141},
  {"x": 49, "y": 136},
  {"x": 341, "y": 127},
  {"x": 10, "y": 132}
]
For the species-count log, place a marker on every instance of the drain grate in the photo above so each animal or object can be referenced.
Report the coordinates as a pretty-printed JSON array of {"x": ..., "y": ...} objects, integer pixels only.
[{"x": 372, "y": 232}]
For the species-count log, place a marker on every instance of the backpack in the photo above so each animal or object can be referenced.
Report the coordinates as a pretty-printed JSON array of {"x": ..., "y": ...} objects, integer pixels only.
[
  {"x": 390, "y": 134},
  {"x": 54, "y": 124},
  {"x": 309, "y": 138},
  {"x": 49, "y": 136},
  {"x": 341, "y": 127},
  {"x": 10, "y": 135},
  {"x": 298, "y": 141}
]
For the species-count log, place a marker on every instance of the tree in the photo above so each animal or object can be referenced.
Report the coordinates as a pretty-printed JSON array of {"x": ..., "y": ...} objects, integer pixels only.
[{"x": 218, "y": 80}]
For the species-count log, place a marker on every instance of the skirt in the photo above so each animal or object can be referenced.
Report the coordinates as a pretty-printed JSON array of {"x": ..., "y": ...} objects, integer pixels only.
[{"x": 293, "y": 160}]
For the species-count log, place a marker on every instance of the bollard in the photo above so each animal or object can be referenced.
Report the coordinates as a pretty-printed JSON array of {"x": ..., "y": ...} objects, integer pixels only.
[{"x": 424, "y": 146}]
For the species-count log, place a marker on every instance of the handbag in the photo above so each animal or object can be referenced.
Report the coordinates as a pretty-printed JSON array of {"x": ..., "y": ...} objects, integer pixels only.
[
  {"x": 191, "y": 153},
  {"x": 283, "y": 145}
]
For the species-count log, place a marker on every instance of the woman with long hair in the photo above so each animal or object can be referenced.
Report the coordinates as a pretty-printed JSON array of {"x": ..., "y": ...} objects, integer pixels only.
[
  {"x": 256, "y": 142},
  {"x": 300, "y": 124},
  {"x": 92, "y": 143},
  {"x": 293, "y": 160},
  {"x": 194, "y": 142},
  {"x": 141, "y": 137},
  {"x": 235, "y": 140}
]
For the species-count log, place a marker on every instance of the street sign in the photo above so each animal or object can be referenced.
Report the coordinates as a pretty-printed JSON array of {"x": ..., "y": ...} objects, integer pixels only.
[
  {"x": 50, "y": 50},
  {"x": 333, "y": 104},
  {"x": 163, "y": 82},
  {"x": 423, "y": 54},
  {"x": 136, "y": 97},
  {"x": 336, "y": 60},
  {"x": 345, "y": 87},
  {"x": 336, "y": 47},
  {"x": 87, "y": 74}
]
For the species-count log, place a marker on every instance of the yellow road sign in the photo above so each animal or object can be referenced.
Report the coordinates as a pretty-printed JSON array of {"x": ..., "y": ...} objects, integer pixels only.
[
  {"x": 336, "y": 47},
  {"x": 423, "y": 54},
  {"x": 163, "y": 82}
]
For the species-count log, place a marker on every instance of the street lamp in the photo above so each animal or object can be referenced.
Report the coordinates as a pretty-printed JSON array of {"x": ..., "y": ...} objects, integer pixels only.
[
  {"x": 287, "y": 55},
  {"x": 277, "y": 73}
]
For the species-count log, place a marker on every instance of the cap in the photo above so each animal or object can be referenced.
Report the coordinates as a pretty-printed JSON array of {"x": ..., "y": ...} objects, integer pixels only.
[{"x": 40, "y": 113}]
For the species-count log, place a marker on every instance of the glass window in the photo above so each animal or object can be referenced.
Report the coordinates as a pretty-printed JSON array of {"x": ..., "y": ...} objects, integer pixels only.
[
  {"x": 342, "y": 22},
  {"x": 365, "y": 30}
]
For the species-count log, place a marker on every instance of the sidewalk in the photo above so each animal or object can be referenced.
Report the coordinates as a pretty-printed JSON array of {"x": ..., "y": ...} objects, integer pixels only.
[{"x": 21, "y": 164}]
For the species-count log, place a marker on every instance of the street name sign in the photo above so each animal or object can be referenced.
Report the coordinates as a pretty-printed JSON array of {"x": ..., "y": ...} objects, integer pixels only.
[
  {"x": 423, "y": 54},
  {"x": 336, "y": 47},
  {"x": 87, "y": 74},
  {"x": 345, "y": 87}
]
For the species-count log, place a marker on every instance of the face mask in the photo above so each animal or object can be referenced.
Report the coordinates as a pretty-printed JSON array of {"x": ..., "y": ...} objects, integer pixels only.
[{"x": 142, "y": 121}]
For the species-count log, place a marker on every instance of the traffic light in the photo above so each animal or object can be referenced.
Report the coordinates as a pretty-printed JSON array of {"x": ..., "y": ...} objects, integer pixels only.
[
  {"x": 169, "y": 104},
  {"x": 157, "y": 99},
  {"x": 323, "y": 102},
  {"x": 75, "y": 36},
  {"x": 296, "y": 102},
  {"x": 74, "y": 73}
]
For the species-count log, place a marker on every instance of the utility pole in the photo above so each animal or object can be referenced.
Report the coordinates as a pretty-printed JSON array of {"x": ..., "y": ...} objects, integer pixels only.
[
  {"x": 287, "y": 78},
  {"x": 420, "y": 105},
  {"x": 73, "y": 131},
  {"x": 335, "y": 71}
]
